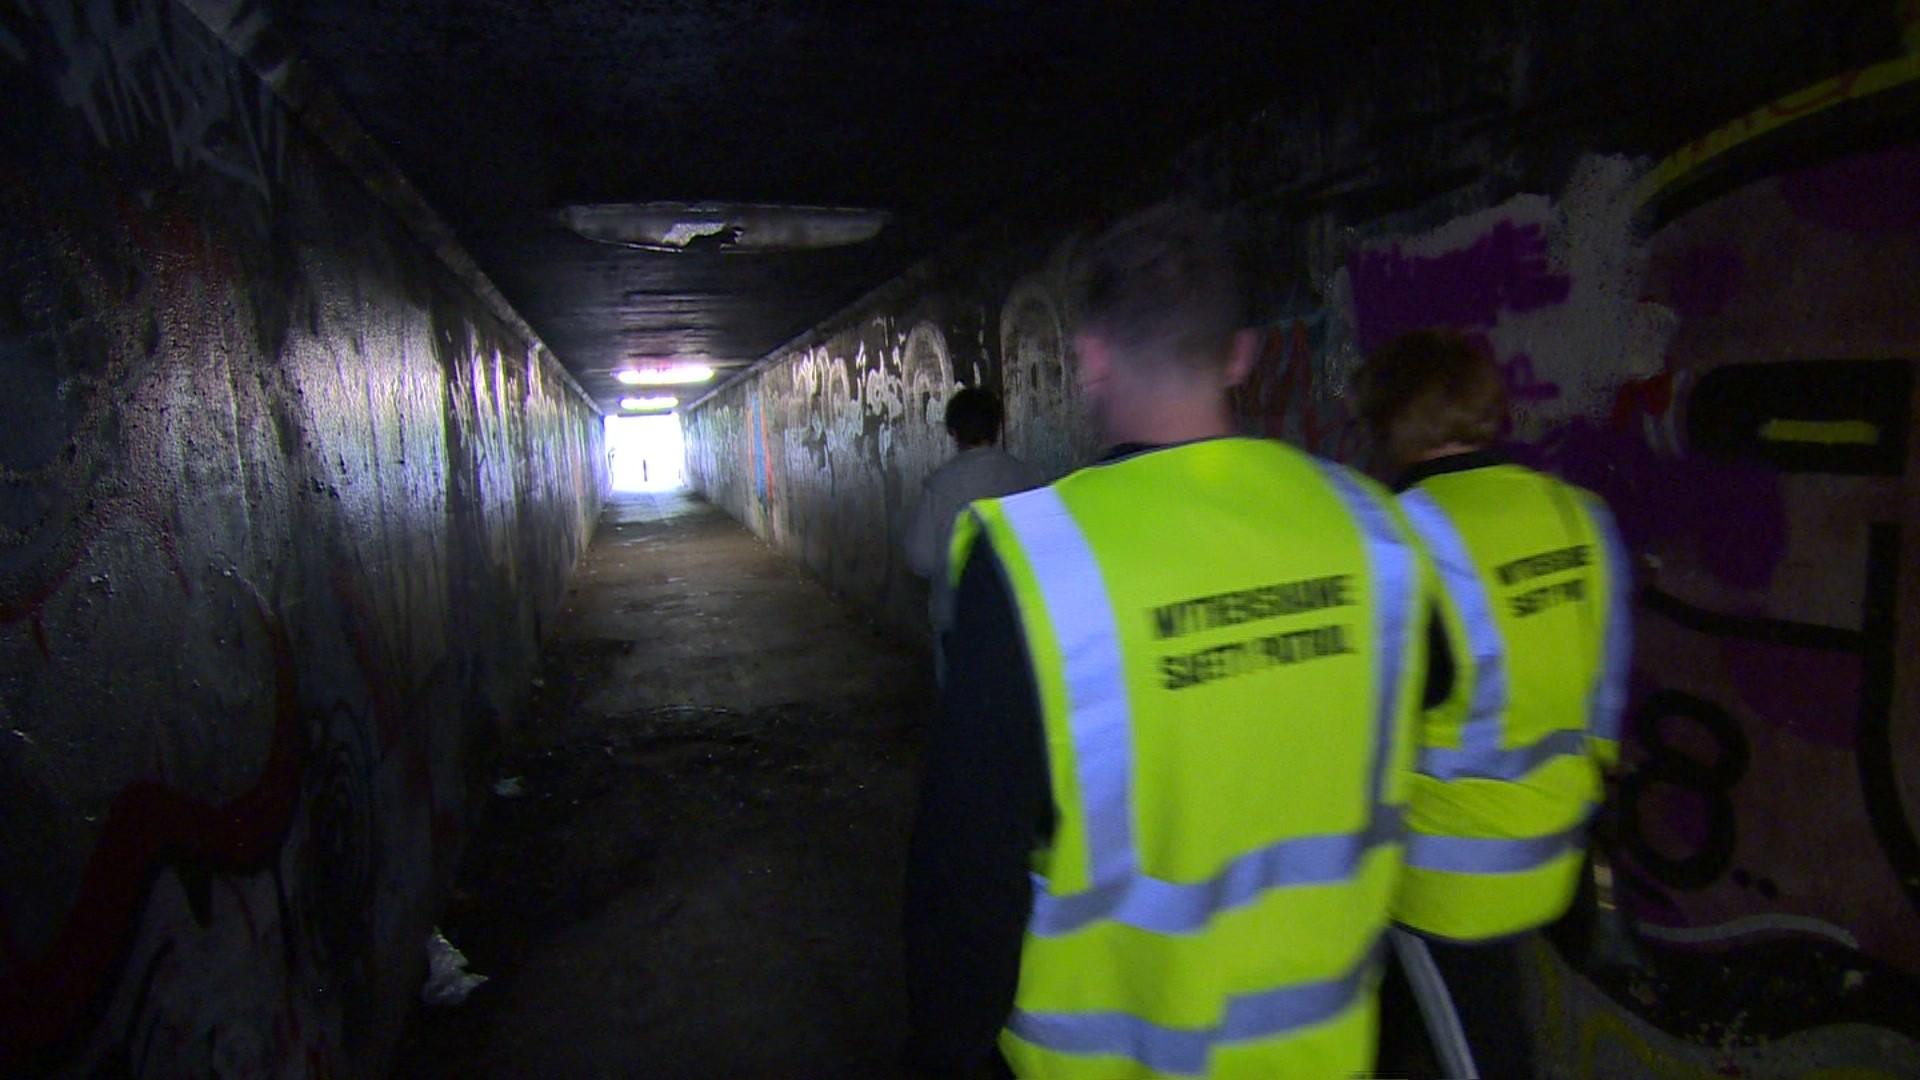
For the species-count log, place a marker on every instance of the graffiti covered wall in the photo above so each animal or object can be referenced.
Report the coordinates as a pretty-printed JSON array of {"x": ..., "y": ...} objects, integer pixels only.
[
  {"x": 822, "y": 452},
  {"x": 1718, "y": 336},
  {"x": 1738, "y": 382},
  {"x": 284, "y": 508},
  {"x": 1765, "y": 832}
]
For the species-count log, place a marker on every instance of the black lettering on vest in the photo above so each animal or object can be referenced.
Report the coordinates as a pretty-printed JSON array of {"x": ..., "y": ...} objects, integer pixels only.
[
  {"x": 1236, "y": 658},
  {"x": 1221, "y": 610},
  {"x": 1277, "y": 649},
  {"x": 1166, "y": 621},
  {"x": 1544, "y": 563},
  {"x": 1537, "y": 600}
]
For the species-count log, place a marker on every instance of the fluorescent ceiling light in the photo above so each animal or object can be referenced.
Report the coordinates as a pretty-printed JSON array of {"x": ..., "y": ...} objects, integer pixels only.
[
  {"x": 671, "y": 375},
  {"x": 642, "y": 404}
]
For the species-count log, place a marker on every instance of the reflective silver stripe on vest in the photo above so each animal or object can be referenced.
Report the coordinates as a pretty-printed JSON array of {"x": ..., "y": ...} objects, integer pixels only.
[
  {"x": 1510, "y": 764},
  {"x": 1609, "y": 698},
  {"x": 1170, "y": 907},
  {"x": 1081, "y": 613},
  {"x": 1396, "y": 586},
  {"x": 1475, "y": 855},
  {"x": 1099, "y": 717},
  {"x": 1188, "y": 1051},
  {"x": 1479, "y": 755}
]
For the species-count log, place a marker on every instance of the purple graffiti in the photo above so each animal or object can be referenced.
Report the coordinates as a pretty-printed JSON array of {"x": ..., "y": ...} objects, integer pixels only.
[
  {"x": 1506, "y": 269},
  {"x": 1730, "y": 514}
]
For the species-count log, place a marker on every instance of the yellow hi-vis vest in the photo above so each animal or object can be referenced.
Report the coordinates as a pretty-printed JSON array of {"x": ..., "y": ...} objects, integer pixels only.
[
  {"x": 1226, "y": 638},
  {"x": 1536, "y": 593}
]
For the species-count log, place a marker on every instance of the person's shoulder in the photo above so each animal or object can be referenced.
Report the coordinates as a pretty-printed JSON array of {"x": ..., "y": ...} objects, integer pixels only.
[
  {"x": 1585, "y": 497},
  {"x": 1282, "y": 454},
  {"x": 1594, "y": 503},
  {"x": 1020, "y": 465},
  {"x": 1348, "y": 480},
  {"x": 1339, "y": 472},
  {"x": 946, "y": 472}
]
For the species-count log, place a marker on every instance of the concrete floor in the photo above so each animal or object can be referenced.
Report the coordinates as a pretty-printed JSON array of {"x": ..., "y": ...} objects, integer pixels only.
[{"x": 703, "y": 876}]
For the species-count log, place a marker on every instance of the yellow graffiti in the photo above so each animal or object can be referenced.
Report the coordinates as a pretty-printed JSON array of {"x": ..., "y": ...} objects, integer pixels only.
[
  {"x": 1602, "y": 1030},
  {"x": 1795, "y": 107},
  {"x": 1620, "y": 1034},
  {"x": 1592, "y": 1027},
  {"x": 1821, "y": 432}
]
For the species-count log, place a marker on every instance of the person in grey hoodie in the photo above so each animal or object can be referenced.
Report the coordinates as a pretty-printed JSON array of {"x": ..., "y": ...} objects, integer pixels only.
[{"x": 982, "y": 470}]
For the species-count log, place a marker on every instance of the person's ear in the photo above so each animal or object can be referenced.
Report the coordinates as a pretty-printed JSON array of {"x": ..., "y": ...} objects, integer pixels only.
[
  {"x": 1241, "y": 356},
  {"x": 1092, "y": 359}
]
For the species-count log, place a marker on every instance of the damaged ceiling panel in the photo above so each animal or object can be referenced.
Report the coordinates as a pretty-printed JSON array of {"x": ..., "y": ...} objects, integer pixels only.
[
  {"x": 736, "y": 228},
  {"x": 653, "y": 182}
]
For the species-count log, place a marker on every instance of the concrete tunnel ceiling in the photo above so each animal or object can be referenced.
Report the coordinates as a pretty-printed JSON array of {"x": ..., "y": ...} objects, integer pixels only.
[
  {"x": 658, "y": 181},
  {"x": 652, "y": 181}
]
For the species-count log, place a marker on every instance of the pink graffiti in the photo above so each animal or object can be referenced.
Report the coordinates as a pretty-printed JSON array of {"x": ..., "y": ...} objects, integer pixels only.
[{"x": 1503, "y": 270}]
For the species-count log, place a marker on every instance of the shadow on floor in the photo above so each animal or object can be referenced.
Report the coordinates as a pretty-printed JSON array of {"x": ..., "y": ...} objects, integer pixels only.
[{"x": 702, "y": 877}]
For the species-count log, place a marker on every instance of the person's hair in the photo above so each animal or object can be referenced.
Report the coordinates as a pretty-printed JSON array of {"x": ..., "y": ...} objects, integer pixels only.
[
  {"x": 1430, "y": 388},
  {"x": 1163, "y": 283},
  {"x": 973, "y": 417}
]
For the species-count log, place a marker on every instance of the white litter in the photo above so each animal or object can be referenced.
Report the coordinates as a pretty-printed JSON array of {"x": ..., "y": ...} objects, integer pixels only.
[
  {"x": 510, "y": 788},
  {"x": 448, "y": 980}
]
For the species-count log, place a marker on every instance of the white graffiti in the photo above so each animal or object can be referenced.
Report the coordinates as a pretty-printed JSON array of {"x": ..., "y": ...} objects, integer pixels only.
[
  {"x": 926, "y": 382},
  {"x": 134, "y": 68},
  {"x": 1045, "y": 422},
  {"x": 1581, "y": 343},
  {"x": 1748, "y": 926}
]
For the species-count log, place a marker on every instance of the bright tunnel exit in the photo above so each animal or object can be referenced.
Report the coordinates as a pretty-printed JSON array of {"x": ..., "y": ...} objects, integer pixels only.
[{"x": 644, "y": 453}]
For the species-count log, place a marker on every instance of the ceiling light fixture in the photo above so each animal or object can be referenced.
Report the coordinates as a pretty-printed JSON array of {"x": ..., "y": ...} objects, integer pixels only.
[
  {"x": 649, "y": 404},
  {"x": 671, "y": 375}
]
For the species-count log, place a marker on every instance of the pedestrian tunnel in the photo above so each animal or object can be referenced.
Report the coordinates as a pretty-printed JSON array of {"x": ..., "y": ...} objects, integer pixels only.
[{"x": 458, "y": 465}]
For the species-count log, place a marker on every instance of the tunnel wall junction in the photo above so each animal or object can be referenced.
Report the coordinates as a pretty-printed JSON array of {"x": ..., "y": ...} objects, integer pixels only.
[
  {"x": 1696, "y": 271},
  {"x": 286, "y": 502}
]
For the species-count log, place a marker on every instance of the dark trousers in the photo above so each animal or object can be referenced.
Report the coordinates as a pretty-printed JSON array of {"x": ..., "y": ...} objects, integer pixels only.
[
  {"x": 1483, "y": 984},
  {"x": 1488, "y": 991}
]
